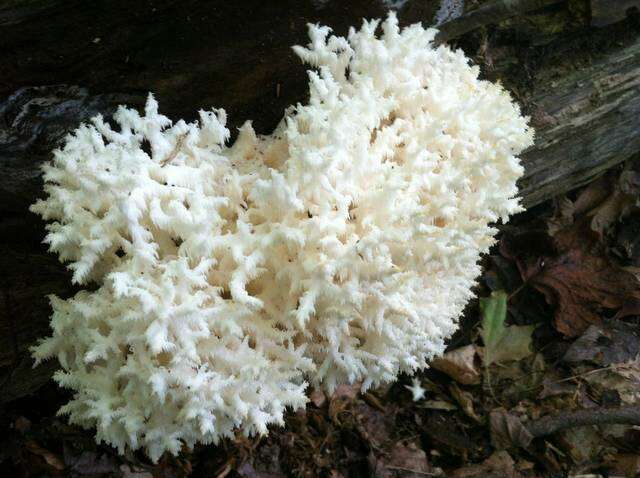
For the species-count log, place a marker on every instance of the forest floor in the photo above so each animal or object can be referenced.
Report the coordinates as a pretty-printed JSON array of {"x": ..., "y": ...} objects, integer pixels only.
[
  {"x": 555, "y": 330},
  {"x": 556, "y": 327}
]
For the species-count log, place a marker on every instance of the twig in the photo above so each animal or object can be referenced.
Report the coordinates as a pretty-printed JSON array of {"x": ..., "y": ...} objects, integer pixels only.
[
  {"x": 487, "y": 377},
  {"x": 491, "y": 12},
  {"x": 568, "y": 379},
  {"x": 507, "y": 430},
  {"x": 410, "y": 470},
  {"x": 629, "y": 415},
  {"x": 518, "y": 289},
  {"x": 176, "y": 149}
]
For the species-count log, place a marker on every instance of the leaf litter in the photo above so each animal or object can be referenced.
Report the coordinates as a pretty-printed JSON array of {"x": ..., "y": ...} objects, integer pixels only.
[{"x": 555, "y": 331}]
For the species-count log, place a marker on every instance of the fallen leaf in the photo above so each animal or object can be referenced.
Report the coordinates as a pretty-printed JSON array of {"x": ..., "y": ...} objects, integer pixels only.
[
  {"x": 465, "y": 399},
  {"x": 51, "y": 458},
  {"x": 373, "y": 425},
  {"x": 582, "y": 444},
  {"x": 494, "y": 313},
  {"x": 248, "y": 471},
  {"x": 515, "y": 344},
  {"x": 625, "y": 464},
  {"x": 594, "y": 194},
  {"x": 603, "y": 202},
  {"x": 438, "y": 405},
  {"x": 576, "y": 274},
  {"x": 90, "y": 463},
  {"x": 563, "y": 218},
  {"x": 502, "y": 343},
  {"x": 507, "y": 431},
  {"x": 582, "y": 282},
  {"x": 264, "y": 462},
  {"x": 611, "y": 342},
  {"x": 128, "y": 472},
  {"x": 622, "y": 200},
  {"x": 498, "y": 465},
  {"x": 553, "y": 387},
  {"x": 622, "y": 379},
  {"x": 400, "y": 461},
  {"x": 460, "y": 364}
]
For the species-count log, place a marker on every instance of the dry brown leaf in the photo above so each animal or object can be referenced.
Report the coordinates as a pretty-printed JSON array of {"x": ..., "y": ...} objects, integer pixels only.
[
  {"x": 498, "y": 465},
  {"x": 51, "y": 458},
  {"x": 91, "y": 463},
  {"x": 563, "y": 218},
  {"x": 438, "y": 405},
  {"x": 460, "y": 364},
  {"x": 507, "y": 431},
  {"x": 129, "y": 472},
  {"x": 582, "y": 282},
  {"x": 401, "y": 461},
  {"x": 629, "y": 390},
  {"x": 248, "y": 471},
  {"x": 373, "y": 425},
  {"x": 625, "y": 464},
  {"x": 612, "y": 342},
  {"x": 594, "y": 194},
  {"x": 465, "y": 399},
  {"x": 553, "y": 387},
  {"x": 603, "y": 202},
  {"x": 623, "y": 198}
]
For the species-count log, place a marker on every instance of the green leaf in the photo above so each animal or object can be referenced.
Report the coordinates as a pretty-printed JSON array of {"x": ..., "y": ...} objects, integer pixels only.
[{"x": 501, "y": 343}]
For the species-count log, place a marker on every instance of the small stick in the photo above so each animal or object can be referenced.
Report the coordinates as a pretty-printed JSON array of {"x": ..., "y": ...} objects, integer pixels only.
[
  {"x": 176, "y": 149},
  {"x": 410, "y": 470},
  {"x": 628, "y": 415}
]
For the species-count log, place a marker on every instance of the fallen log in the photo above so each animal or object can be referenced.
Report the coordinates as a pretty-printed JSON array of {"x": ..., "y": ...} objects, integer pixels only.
[{"x": 587, "y": 120}]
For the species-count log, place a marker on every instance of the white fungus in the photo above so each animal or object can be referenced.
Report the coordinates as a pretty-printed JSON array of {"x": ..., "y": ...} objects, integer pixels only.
[
  {"x": 341, "y": 248},
  {"x": 417, "y": 392}
]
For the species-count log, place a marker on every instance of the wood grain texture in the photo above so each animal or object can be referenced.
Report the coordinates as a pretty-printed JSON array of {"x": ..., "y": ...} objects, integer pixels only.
[{"x": 587, "y": 121}]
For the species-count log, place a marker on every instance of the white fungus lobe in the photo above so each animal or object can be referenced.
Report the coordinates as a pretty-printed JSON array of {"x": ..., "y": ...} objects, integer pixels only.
[
  {"x": 417, "y": 392},
  {"x": 341, "y": 248}
]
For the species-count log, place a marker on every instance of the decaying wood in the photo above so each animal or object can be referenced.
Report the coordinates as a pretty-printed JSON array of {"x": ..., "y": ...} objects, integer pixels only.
[
  {"x": 491, "y": 12},
  {"x": 587, "y": 120}
]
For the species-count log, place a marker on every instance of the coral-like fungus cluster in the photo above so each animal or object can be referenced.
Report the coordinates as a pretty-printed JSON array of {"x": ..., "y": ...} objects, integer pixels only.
[{"x": 341, "y": 248}]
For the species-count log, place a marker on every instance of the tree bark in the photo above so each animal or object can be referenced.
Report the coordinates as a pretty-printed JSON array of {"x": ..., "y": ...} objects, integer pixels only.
[
  {"x": 587, "y": 118},
  {"x": 587, "y": 121}
]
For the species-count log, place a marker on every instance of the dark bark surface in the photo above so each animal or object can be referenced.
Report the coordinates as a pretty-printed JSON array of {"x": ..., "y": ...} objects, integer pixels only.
[
  {"x": 588, "y": 120},
  {"x": 63, "y": 62}
]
